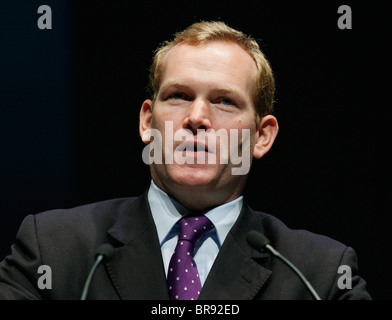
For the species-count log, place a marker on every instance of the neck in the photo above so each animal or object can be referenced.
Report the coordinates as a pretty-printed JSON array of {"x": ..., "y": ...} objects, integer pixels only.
[{"x": 200, "y": 198}]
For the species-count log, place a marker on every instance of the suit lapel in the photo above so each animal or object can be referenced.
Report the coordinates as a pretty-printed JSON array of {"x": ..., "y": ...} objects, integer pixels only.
[
  {"x": 239, "y": 271},
  {"x": 137, "y": 269}
]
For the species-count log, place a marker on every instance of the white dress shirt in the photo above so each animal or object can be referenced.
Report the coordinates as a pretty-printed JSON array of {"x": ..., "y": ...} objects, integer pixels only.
[{"x": 166, "y": 212}]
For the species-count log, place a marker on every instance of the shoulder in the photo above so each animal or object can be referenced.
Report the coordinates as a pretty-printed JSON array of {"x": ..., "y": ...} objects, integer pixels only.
[
  {"x": 319, "y": 258},
  {"x": 299, "y": 242},
  {"x": 80, "y": 222},
  {"x": 86, "y": 212}
]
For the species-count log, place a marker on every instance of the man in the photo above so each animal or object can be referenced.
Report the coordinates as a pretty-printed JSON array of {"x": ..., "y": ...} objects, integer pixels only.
[{"x": 186, "y": 237}]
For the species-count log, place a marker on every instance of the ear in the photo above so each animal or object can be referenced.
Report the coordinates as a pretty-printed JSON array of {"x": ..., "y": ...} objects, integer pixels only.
[
  {"x": 145, "y": 118},
  {"x": 267, "y": 130}
]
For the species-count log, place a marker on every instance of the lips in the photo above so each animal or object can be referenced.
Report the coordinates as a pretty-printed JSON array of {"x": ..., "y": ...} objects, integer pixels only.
[{"x": 192, "y": 146}]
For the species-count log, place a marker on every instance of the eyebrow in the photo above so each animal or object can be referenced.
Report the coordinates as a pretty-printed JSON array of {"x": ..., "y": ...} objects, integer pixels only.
[
  {"x": 231, "y": 91},
  {"x": 223, "y": 90},
  {"x": 174, "y": 84}
]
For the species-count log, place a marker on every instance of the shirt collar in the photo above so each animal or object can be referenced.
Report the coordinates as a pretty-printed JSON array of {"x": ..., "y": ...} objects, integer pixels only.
[{"x": 166, "y": 211}]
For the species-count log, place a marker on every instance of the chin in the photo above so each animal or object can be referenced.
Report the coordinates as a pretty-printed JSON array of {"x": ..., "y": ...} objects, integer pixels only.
[{"x": 194, "y": 177}]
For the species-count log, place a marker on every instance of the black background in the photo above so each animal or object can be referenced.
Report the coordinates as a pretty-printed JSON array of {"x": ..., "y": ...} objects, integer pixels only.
[{"x": 70, "y": 99}]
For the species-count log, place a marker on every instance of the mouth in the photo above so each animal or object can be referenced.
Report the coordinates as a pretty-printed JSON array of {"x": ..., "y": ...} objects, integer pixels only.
[{"x": 192, "y": 147}]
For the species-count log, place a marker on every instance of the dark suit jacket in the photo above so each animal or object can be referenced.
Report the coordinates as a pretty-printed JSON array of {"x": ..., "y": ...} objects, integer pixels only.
[{"x": 66, "y": 240}]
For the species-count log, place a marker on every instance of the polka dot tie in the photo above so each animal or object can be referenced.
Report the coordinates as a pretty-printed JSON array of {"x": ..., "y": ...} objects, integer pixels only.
[{"x": 183, "y": 277}]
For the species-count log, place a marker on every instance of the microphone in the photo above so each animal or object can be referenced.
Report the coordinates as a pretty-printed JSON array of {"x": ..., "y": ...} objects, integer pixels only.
[
  {"x": 258, "y": 241},
  {"x": 104, "y": 252}
]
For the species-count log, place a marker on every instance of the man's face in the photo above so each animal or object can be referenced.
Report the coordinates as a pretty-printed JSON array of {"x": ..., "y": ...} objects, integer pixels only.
[{"x": 204, "y": 88}]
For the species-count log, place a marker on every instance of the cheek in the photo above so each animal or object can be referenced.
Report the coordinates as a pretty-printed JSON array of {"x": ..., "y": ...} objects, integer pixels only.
[
  {"x": 241, "y": 123},
  {"x": 158, "y": 120},
  {"x": 160, "y": 115},
  {"x": 250, "y": 126}
]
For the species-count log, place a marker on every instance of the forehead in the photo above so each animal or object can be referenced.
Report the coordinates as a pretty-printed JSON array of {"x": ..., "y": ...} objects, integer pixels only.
[{"x": 216, "y": 61}]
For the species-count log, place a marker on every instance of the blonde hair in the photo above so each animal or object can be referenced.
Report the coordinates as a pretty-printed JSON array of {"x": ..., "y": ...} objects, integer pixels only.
[{"x": 203, "y": 32}]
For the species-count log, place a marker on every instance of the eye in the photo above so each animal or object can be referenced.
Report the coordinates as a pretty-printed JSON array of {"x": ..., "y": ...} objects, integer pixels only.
[
  {"x": 227, "y": 102},
  {"x": 177, "y": 96}
]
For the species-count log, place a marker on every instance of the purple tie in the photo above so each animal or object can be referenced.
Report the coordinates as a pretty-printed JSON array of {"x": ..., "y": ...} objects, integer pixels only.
[{"x": 183, "y": 277}]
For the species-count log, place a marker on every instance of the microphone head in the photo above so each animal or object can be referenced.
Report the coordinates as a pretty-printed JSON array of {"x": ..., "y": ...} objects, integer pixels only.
[
  {"x": 106, "y": 250},
  {"x": 257, "y": 240}
]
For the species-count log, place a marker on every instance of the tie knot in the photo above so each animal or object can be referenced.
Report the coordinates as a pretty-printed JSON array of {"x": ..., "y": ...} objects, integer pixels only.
[{"x": 192, "y": 228}]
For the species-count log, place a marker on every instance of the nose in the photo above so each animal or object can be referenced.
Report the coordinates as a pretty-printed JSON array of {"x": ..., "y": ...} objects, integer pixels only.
[{"x": 198, "y": 116}]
